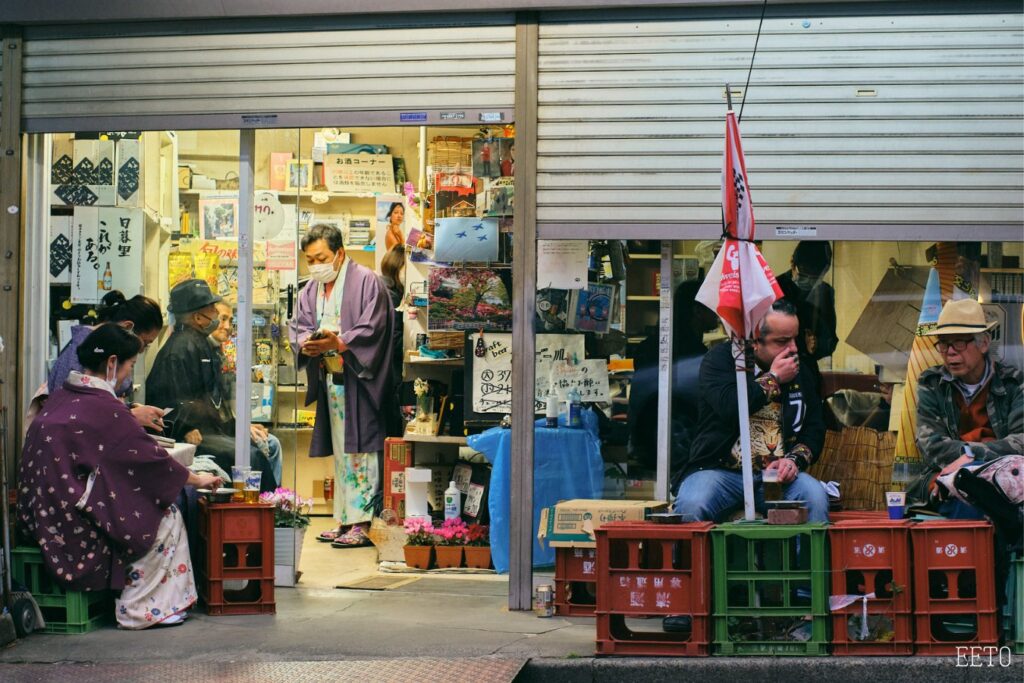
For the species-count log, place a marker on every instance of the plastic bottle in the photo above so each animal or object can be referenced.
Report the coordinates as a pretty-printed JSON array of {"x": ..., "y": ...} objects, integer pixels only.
[
  {"x": 575, "y": 408},
  {"x": 452, "y": 502},
  {"x": 551, "y": 410}
]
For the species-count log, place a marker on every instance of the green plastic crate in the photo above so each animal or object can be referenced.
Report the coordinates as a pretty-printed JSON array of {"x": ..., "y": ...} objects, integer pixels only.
[
  {"x": 64, "y": 611},
  {"x": 1015, "y": 597},
  {"x": 770, "y": 580}
]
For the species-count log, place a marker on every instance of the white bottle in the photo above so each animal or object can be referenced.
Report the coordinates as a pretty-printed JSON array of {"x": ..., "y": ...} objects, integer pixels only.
[
  {"x": 452, "y": 502},
  {"x": 551, "y": 410}
]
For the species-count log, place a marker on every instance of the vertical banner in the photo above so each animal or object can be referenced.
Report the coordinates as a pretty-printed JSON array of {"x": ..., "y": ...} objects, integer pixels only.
[
  {"x": 85, "y": 272},
  {"x": 106, "y": 252},
  {"x": 129, "y": 173}
]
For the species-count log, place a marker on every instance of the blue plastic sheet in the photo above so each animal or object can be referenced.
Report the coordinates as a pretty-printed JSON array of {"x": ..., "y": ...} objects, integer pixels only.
[{"x": 567, "y": 464}]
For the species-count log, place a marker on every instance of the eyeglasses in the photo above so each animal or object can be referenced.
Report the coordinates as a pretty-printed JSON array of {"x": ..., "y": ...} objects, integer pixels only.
[{"x": 957, "y": 345}]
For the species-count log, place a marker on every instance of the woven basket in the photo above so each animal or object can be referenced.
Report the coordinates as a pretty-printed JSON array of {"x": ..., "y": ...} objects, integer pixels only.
[
  {"x": 446, "y": 340},
  {"x": 860, "y": 459}
]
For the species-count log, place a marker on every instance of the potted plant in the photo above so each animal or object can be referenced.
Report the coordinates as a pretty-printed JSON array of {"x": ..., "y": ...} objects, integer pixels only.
[
  {"x": 291, "y": 518},
  {"x": 478, "y": 546},
  {"x": 451, "y": 537},
  {"x": 419, "y": 547}
]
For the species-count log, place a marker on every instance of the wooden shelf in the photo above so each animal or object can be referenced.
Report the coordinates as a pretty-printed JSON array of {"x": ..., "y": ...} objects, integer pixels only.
[
  {"x": 281, "y": 194},
  {"x": 643, "y": 298},
  {"x": 428, "y": 438},
  {"x": 437, "y": 362},
  {"x": 1015, "y": 271},
  {"x": 657, "y": 257}
]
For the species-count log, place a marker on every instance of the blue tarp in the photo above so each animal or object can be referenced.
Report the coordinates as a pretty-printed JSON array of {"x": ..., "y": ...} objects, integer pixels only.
[{"x": 566, "y": 464}]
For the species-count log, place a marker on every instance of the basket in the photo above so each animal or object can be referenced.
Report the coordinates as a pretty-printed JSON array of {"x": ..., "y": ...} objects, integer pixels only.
[
  {"x": 860, "y": 458},
  {"x": 228, "y": 182}
]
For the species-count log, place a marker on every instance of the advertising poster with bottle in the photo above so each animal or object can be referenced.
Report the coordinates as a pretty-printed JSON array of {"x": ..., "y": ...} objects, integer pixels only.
[{"x": 106, "y": 252}]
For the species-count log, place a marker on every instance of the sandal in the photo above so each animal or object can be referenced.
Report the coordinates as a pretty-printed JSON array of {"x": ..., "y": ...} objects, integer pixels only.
[
  {"x": 353, "y": 538},
  {"x": 331, "y": 536}
]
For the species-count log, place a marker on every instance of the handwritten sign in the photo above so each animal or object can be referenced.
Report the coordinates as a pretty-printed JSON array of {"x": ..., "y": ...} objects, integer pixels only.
[
  {"x": 281, "y": 255},
  {"x": 359, "y": 173},
  {"x": 492, "y": 374},
  {"x": 589, "y": 377}
]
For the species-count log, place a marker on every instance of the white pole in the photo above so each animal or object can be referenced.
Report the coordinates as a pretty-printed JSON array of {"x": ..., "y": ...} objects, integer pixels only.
[{"x": 744, "y": 416}]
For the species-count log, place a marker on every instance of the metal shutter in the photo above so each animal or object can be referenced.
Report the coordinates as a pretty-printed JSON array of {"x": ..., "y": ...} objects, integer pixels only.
[
  {"x": 211, "y": 80},
  {"x": 904, "y": 117}
]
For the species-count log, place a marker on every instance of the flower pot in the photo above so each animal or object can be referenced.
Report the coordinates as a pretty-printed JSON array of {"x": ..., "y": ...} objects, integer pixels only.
[
  {"x": 478, "y": 556},
  {"x": 287, "y": 551},
  {"x": 419, "y": 556},
  {"x": 449, "y": 556}
]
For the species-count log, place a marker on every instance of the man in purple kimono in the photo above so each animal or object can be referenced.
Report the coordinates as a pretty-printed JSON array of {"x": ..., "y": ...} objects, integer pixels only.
[{"x": 341, "y": 335}]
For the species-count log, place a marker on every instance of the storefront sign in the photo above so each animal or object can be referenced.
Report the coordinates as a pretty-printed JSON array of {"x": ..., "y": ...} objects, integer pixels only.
[
  {"x": 589, "y": 377},
  {"x": 106, "y": 252},
  {"x": 359, "y": 173},
  {"x": 492, "y": 117},
  {"x": 412, "y": 116},
  {"x": 453, "y": 115},
  {"x": 801, "y": 231},
  {"x": 492, "y": 374}
]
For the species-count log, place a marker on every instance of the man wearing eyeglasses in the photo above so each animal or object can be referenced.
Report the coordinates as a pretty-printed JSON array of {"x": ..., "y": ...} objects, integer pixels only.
[{"x": 970, "y": 409}]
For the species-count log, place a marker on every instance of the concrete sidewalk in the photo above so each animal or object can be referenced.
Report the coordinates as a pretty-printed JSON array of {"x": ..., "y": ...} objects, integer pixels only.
[{"x": 461, "y": 621}]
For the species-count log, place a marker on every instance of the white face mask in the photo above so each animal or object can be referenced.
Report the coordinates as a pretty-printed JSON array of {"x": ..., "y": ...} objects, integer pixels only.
[
  {"x": 112, "y": 377},
  {"x": 323, "y": 272}
]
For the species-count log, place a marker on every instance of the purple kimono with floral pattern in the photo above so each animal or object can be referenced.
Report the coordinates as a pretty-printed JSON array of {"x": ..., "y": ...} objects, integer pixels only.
[{"x": 93, "y": 487}]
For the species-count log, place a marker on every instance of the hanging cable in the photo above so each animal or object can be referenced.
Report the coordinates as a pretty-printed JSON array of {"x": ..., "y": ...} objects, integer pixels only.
[{"x": 746, "y": 88}]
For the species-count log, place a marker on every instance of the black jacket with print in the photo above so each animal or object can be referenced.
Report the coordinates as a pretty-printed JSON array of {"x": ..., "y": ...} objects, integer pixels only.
[{"x": 718, "y": 424}]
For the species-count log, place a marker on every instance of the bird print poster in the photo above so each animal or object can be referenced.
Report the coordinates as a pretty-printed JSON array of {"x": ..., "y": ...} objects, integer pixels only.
[{"x": 466, "y": 239}]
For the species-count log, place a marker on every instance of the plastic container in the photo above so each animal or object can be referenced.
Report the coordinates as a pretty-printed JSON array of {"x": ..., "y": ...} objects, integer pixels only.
[
  {"x": 575, "y": 419},
  {"x": 65, "y": 612},
  {"x": 551, "y": 411},
  {"x": 417, "y": 482},
  {"x": 872, "y": 556},
  {"x": 648, "y": 571},
  {"x": 452, "y": 502},
  {"x": 954, "y": 586}
]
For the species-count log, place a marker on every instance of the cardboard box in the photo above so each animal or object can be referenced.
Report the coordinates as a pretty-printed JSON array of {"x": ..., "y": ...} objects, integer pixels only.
[
  {"x": 571, "y": 523},
  {"x": 397, "y": 456}
]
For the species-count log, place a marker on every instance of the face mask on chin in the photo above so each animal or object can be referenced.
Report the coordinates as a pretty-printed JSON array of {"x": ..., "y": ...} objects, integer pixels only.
[{"x": 211, "y": 327}]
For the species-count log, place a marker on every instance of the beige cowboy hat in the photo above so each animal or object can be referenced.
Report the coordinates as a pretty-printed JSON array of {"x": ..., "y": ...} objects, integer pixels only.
[{"x": 962, "y": 316}]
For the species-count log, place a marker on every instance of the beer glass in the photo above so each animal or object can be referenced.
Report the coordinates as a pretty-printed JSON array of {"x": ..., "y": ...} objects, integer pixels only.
[
  {"x": 238, "y": 475},
  {"x": 253, "y": 478},
  {"x": 772, "y": 485}
]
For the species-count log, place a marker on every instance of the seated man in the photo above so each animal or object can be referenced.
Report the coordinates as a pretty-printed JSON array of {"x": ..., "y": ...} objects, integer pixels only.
[
  {"x": 786, "y": 427},
  {"x": 970, "y": 409},
  {"x": 186, "y": 376}
]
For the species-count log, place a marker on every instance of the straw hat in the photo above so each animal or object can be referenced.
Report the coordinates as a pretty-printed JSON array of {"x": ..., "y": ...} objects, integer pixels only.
[{"x": 963, "y": 316}]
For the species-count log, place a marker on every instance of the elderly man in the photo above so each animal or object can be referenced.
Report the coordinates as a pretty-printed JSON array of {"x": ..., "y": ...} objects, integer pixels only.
[
  {"x": 186, "y": 376},
  {"x": 969, "y": 409},
  {"x": 342, "y": 336},
  {"x": 786, "y": 427}
]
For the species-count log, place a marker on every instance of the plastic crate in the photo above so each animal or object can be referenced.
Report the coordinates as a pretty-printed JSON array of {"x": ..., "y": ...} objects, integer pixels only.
[
  {"x": 238, "y": 545},
  {"x": 1015, "y": 603},
  {"x": 857, "y": 515},
  {"x": 648, "y": 571},
  {"x": 769, "y": 582},
  {"x": 954, "y": 586},
  {"x": 575, "y": 581},
  {"x": 872, "y": 556},
  {"x": 67, "y": 612}
]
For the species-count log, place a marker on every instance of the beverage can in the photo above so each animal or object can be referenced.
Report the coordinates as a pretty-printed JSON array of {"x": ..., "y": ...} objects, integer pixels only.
[
  {"x": 544, "y": 602},
  {"x": 328, "y": 488}
]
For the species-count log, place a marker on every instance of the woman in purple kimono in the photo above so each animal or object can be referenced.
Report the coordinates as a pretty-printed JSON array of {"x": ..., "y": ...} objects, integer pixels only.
[
  {"x": 96, "y": 492},
  {"x": 345, "y": 314}
]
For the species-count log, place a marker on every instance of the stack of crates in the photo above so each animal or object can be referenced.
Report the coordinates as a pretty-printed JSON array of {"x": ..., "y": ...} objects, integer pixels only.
[
  {"x": 63, "y": 611},
  {"x": 771, "y": 589},
  {"x": 575, "y": 581},
  {"x": 872, "y": 556},
  {"x": 238, "y": 541},
  {"x": 954, "y": 586},
  {"x": 650, "y": 571}
]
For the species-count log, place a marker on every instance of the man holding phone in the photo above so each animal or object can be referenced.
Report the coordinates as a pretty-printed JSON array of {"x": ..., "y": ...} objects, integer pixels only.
[
  {"x": 786, "y": 427},
  {"x": 342, "y": 336}
]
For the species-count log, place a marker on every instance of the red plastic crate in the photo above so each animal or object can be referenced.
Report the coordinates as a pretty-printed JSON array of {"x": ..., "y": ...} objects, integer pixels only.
[
  {"x": 872, "y": 556},
  {"x": 646, "y": 571},
  {"x": 238, "y": 544},
  {"x": 575, "y": 581},
  {"x": 857, "y": 515},
  {"x": 954, "y": 581}
]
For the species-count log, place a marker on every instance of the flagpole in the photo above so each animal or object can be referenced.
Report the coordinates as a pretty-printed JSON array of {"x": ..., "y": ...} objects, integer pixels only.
[{"x": 739, "y": 349}]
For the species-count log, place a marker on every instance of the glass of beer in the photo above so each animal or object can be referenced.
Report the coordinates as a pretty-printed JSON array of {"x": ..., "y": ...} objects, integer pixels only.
[
  {"x": 238, "y": 476},
  {"x": 772, "y": 485},
  {"x": 253, "y": 479}
]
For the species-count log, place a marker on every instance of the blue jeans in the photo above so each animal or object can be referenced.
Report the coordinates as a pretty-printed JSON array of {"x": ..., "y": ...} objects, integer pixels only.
[
  {"x": 272, "y": 456},
  {"x": 712, "y": 495}
]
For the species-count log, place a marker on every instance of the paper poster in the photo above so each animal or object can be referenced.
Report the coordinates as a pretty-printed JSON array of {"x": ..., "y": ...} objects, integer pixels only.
[
  {"x": 179, "y": 268},
  {"x": 106, "y": 252},
  {"x": 281, "y": 255},
  {"x": 279, "y": 169},
  {"x": 590, "y": 309},
  {"x": 589, "y": 377},
  {"x": 469, "y": 299},
  {"x": 562, "y": 264},
  {"x": 500, "y": 197},
  {"x": 60, "y": 249},
  {"x": 219, "y": 217},
  {"x": 359, "y": 173},
  {"x": 466, "y": 239},
  {"x": 492, "y": 383}
]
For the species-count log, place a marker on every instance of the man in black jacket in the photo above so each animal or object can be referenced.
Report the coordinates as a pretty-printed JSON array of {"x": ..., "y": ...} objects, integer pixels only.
[{"x": 786, "y": 427}]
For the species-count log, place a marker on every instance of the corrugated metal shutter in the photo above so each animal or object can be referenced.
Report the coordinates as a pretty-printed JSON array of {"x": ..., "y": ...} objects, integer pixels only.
[
  {"x": 144, "y": 78},
  {"x": 907, "y": 117}
]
